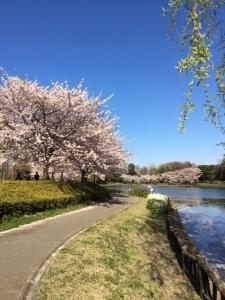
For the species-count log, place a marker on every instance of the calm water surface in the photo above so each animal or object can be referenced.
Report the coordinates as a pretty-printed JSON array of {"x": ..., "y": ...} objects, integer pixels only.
[
  {"x": 202, "y": 211},
  {"x": 178, "y": 192},
  {"x": 205, "y": 225}
]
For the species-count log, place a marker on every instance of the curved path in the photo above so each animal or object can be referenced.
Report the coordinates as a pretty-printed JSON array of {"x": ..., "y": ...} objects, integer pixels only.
[{"x": 25, "y": 249}]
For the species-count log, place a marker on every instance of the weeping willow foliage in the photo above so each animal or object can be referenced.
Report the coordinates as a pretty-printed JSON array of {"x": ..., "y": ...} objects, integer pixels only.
[{"x": 199, "y": 26}]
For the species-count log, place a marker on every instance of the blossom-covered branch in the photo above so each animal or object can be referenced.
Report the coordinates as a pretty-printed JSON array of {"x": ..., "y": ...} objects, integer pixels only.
[{"x": 58, "y": 127}]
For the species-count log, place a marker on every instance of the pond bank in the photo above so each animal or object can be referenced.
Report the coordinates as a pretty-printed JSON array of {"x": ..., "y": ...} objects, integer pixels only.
[
  {"x": 207, "y": 281},
  {"x": 216, "y": 185},
  {"x": 126, "y": 257},
  {"x": 202, "y": 211},
  {"x": 175, "y": 192},
  {"x": 205, "y": 225}
]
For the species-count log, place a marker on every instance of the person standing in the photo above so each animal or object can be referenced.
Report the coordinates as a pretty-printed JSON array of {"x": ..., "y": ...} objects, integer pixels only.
[
  {"x": 36, "y": 176},
  {"x": 18, "y": 175}
]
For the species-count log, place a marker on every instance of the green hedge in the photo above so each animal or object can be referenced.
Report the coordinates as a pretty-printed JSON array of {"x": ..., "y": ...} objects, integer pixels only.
[
  {"x": 158, "y": 204},
  {"x": 28, "y": 197}
]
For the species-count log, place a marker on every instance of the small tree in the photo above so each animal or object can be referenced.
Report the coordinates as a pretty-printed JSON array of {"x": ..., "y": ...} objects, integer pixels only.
[
  {"x": 131, "y": 169},
  {"x": 144, "y": 171}
]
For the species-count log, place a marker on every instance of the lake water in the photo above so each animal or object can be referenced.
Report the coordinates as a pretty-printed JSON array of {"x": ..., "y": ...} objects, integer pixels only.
[
  {"x": 205, "y": 225},
  {"x": 202, "y": 212},
  {"x": 178, "y": 192}
]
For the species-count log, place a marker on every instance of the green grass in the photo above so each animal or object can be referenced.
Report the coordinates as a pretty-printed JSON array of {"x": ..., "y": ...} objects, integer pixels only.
[
  {"x": 10, "y": 222},
  {"x": 125, "y": 257},
  {"x": 18, "y": 191},
  {"x": 23, "y": 202}
]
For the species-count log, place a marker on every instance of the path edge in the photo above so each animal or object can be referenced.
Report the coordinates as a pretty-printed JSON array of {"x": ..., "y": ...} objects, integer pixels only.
[
  {"x": 30, "y": 289},
  {"x": 28, "y": 225}
]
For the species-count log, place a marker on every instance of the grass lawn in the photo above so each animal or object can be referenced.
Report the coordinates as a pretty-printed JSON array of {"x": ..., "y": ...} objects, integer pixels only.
[
  {"x": 30, "y": 191},
  {"x": 13, "y": 222},
  {"x": 23, "y": 202},
  {"x": 125, "y": 257}
]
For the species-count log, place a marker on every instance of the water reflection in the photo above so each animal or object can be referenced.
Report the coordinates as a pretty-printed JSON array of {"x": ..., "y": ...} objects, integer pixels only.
[
  {"x": 191, "y": 192},
  {"x": 205, "y": 224},
  {"x": 202, "y": 211},
  {"x": 177, "y": 192}
]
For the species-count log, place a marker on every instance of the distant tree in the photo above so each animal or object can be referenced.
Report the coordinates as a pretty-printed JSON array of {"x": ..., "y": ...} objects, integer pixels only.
[
  {"x": 219, "y": 171},
  {"x": 162, "y": 168},
  {"x": 176, "y": 165},
  {"x": 208, "y": 172},
  {"x": 182, "y": 176},
  {"x": 173, "y": 166},
  {"x": 144, "y": 171},
  {"x": 131, "y": 169},
  {"x": 222, "y": 169},
  {"x": 152, "y": 170}
]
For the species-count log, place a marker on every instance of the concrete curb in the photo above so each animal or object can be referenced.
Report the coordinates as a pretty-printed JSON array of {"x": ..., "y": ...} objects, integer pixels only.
[{"x": 29, "y": 225}]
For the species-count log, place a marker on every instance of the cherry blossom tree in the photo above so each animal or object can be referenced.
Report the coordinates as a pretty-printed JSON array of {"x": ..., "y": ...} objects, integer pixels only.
[
  {"x": 182, "y": 176},
  {"x": 29, "y": 118},
  {"x": 58, "y": 127},
  {"x": 98, "y": 150}
]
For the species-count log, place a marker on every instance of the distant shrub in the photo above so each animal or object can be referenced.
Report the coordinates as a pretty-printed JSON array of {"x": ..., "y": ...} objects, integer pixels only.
[
  {"x": 27, "y": 197},
  {"x": 157, "y": 204},
  {"x": 139, "y": 192}
]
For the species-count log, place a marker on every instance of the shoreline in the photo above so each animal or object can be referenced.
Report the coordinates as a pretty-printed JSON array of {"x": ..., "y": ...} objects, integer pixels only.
[
  {"x": 198, "y": 185},
  {"x": 106, "y": 262}
]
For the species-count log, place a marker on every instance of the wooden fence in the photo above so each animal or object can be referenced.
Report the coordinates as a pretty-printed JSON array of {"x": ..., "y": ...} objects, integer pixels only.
[{"x": 206, "y": 281}]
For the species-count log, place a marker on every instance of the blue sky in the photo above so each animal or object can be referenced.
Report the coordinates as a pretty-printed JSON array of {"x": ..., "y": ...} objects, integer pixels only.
[{"x": 117, "y": 47}]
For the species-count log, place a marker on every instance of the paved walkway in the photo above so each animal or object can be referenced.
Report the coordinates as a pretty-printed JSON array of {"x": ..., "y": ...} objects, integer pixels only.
[{"x": 24, "y": 250}]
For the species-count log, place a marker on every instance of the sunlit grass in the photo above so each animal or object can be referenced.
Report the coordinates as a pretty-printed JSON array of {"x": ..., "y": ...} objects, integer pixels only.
[
  {"x": 23, "y": 202},
  {"x": 14, "y": 191},
  {"x": 126, "y": 257},
  {"x": 13, "y": 222}
]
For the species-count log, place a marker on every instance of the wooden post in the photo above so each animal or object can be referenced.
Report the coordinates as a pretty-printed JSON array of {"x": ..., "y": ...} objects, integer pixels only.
[{"x": 206, "y": 282}]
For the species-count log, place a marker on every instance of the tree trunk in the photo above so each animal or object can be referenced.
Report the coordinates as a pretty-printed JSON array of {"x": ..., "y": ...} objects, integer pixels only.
[
  {"x": 83, "y": 177},
  {"x": 46, "y": 172},
  {"x": 53, "y": 176},
  {"x": 61, "y": 176}
]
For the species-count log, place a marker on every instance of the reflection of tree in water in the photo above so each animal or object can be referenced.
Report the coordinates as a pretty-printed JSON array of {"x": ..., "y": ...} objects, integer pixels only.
[{"x": 205, "y": 226}]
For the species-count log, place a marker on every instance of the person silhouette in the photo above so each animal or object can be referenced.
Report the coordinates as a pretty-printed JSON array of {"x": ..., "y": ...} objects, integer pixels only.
[
  {"x": 36, "y": 176},
  {"x": 18, "y": 175}
]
